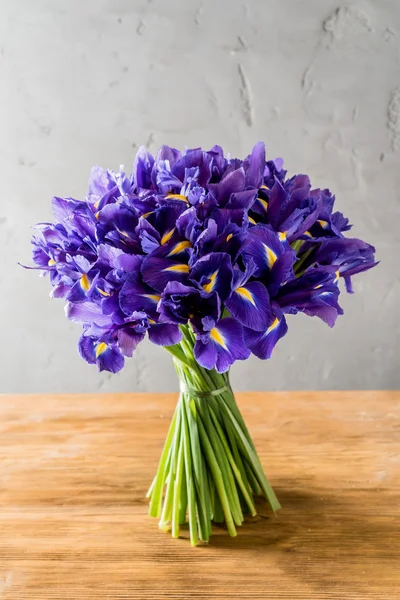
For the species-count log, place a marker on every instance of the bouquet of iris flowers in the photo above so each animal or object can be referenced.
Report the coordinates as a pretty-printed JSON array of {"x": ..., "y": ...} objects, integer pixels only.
[{"x": 207, "y": 255}]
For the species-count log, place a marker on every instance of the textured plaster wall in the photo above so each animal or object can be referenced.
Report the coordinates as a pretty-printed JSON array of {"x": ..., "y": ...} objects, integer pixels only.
[{"x": 86, "y": 82}]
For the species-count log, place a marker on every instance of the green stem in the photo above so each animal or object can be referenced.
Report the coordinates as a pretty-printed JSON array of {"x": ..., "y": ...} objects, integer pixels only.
[
  {"x": 189, "y": 478},
  {"x": 157, "y": 489},
  {"x": 233, "y": 465},
  {"x": 219, "y": 483},
  {"x": 177, "y": 491},
  {"x": 166, "y": 514},
  {"x": 209, "y": 469}
]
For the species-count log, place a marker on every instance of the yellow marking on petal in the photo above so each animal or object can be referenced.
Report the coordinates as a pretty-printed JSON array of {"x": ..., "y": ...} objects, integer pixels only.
[
  {"x": 273, "y": 326},
  {"x": 178, "y": 269},
  {"x": 96, "y": 204},
  {"x": 318, "y": 286},
  {"x": 337, "y": 276},
  {"x": 282, "y": 235},
  {"x": 123, "y": 233},
  {"x": 151, "y": 322},
  {"x": 85, "y": 283},
  {"x": 251, "y": 220},
  {"x": 100, "y": 348},
  {"x": 178, "y": 197},
  {"x": 154, "y": 297},
  {"x": 270, "y": 255},
  {"x": 167, "y": 236},
  {"x": 229, "y": 237},
  {"x": 208, "y": 287},
  {"x": 308, "y": 234},
  {"x": 324, "y": 224},
  {"x": 263, "y": 203},
  {"x": 97, "y": 215},
  {"x": 103, "y": 292},
  {"x": 215, "y": 335},
  {"x": 147, "y": 214},
  {"x": 51, "y": 262},
  {"x": 244, "y": 292},
  {"x": 264, "y": 187},
  {"x": 180, "y": 246}
]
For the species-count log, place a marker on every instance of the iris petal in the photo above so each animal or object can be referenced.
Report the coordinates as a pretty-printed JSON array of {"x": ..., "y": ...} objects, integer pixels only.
[
  {"x": 250, "y": 305},
  {"x": 264, "y": 247},
  {"x": 157, "y": 272},
  {"x": 214, "y": 273},
  {"x": 135, "y": 295},
  {"x": 262, "y": 343},
  {"x": 165, "y": 334},
  {"x": 223, "y": 345}
]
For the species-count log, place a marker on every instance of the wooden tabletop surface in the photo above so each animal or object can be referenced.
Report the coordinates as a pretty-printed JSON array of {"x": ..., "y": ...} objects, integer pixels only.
[{"x": 75, "y": 470}]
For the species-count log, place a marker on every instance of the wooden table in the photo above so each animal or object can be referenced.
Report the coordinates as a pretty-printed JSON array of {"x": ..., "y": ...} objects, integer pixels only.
[{"x": 73, "y": 523}]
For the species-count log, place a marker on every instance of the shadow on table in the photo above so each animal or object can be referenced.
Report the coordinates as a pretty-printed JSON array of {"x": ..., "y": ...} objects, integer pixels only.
[{"x": 325, "y": 539}]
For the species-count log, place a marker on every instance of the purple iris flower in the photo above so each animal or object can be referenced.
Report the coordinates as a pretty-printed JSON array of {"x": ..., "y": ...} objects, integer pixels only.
[
  {"x": 346, "y": 256},
  {"x": 315, "y": 293},
  {"x": 271, "y": 254},
  {"x": 213, "y": 273},
  {"x": 293, "y": 207},
  {"x": 224, "y": 246},
  {"x": 249, "y": 302},
  {"x": 182, "y": 304},
  {"x": 262, "y": 343},
  {"x": 221, "y": 344}
]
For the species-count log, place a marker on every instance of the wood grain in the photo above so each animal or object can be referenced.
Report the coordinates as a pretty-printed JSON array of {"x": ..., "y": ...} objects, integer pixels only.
[{"x": 73, "y": 523}]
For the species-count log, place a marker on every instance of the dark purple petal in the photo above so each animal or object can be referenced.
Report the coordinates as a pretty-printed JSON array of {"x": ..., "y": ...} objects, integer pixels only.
[
  {"x": 228, "y": 216},
  {"x": 233, "y": 182},
  {"x": 205, "y": 354},
  {"x": 315, "y": 293},
  {"x": 264, "y": 248},
  {"x": 340, "y": 223},
  {"x": 128, "y": 339},
  {"x": 281, "y": 271},
  {"x": 188, "y": 225},
  {"x": 142, "y": 167},
  {"x": 241, "y": 277},
  {"x": 277, "y": 200},
  {"x": 136, "y": 295},
  {"x": 108, "y": 255},
  {"x": 181, "y": 303},
  {"x": 256, "y": 166},
  {"x": 128, "y": 262},
  {"x": 165, "y": 179},
  {"x": 250, "y": 305},
  {"x": 86, "y": 348},
  {"x": 191, "y": 159},
  {"x": 167, "y": 153},
  {"x": 165, "y": 219},
  {"x": 121, "y": 222},
  {"x": 222, "y": 346},
  {"x": 262, "y": 343},
  {"x": 108, "y": 358},
  {"x": 164, "y": 334},
  {"x": 84, "y": 287},
  {"x": 157, "y": 272},
  {"x": 214, "y": 273},
  {"x": 243, "y": 199}
]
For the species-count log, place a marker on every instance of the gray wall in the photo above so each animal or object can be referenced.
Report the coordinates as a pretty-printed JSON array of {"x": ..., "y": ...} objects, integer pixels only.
[{"x": 87, "y": 82}]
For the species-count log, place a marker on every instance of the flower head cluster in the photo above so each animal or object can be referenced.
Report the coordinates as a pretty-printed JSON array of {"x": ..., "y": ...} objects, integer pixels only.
[{"x": 228, "y": 246}]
